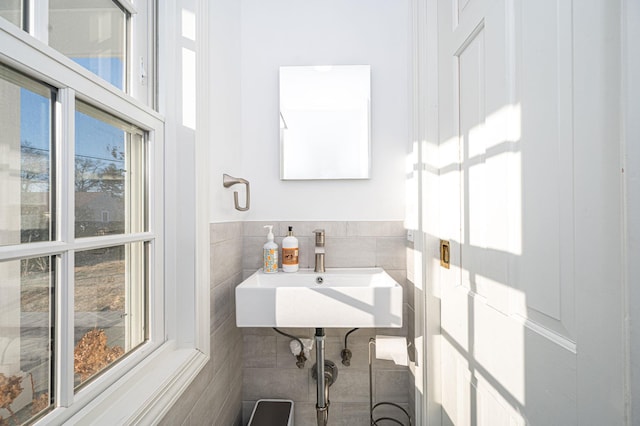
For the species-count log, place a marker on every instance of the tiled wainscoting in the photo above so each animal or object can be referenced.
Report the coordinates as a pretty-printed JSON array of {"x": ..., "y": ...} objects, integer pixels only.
[{"x": 252, "y": 363}]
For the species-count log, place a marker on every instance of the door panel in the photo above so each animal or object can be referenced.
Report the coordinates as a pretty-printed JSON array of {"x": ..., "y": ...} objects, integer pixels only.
[
  {"x": 544, "y": 271},
  {"x": 506, "y": 144}
]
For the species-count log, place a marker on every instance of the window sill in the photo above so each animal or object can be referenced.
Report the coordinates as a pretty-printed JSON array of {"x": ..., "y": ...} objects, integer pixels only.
[{"x": 142, "y": 396}]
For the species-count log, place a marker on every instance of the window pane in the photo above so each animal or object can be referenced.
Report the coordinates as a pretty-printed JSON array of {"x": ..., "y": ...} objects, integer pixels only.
[
  {"x": 110, "y": 288},
  {"x": 109, "y": 175},
  {"x": 26, "y": 329},
  {"x": 93, "y": 34},
  {"x": 25, "y": 159},
  {"x": 11, "y": 10}
]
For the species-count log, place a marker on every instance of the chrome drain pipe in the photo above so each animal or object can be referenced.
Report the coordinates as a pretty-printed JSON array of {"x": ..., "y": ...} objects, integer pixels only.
[
  {"x": 321, "y": 403},
  {"x": 326, "y": 373}
]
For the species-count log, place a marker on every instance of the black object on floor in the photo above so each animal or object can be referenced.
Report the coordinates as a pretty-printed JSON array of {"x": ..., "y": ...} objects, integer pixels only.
[{"x": 272, "y": 413}]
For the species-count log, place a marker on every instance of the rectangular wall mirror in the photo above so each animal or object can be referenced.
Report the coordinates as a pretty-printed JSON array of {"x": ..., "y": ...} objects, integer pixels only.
[{"x": 325, "y": 122}]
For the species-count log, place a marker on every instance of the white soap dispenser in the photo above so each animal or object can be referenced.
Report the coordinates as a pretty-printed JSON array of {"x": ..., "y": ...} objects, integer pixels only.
[
  {"x": 270, "y": 253},
  {"x": 290, "y": 252}
]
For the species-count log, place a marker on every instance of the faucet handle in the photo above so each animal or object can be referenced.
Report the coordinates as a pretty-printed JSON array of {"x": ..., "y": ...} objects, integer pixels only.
[{"x": 319, "y": 237}]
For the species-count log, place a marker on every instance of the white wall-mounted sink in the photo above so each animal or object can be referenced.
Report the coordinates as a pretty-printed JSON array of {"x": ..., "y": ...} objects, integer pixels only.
[{"x": 342, "y": 297}]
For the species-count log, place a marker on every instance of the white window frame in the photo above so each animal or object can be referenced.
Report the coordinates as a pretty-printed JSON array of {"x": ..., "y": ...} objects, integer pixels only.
[
  {"x": 139, "y": 79},
  {"x": 143, "y": 386}
]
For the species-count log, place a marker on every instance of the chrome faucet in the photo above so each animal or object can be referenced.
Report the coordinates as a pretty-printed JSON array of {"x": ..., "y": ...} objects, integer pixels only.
[{"x": 319, "y": 250}]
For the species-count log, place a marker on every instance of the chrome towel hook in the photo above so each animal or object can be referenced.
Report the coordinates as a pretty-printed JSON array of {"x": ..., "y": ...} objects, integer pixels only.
[{"x": 228, "y": 181}]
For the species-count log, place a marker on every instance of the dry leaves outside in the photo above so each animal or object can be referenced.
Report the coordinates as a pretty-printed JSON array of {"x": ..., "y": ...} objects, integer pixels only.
[
  {"x": 10, "y": 388},
  {"x": 92, "y": 354},
  {"x": 40, "y": 403}
]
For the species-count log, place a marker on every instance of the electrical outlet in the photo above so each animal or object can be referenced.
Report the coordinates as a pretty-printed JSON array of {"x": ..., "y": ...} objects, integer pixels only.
[{"x": 410, "y": 235}]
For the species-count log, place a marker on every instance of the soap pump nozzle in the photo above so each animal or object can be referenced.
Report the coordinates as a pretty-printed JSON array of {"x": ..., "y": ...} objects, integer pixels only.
[{"x": 270, "y": 233}]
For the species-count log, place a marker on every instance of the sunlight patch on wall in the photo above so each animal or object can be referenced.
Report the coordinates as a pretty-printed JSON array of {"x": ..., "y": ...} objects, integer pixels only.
[
  {"x": 418, "y": 369},
  {"x": 188, "y": 25},
  {"x": 414, "y": 263},
  {"x": 411, "y": 189},
  {"x": 188, "y": 88},
  {"x": 430, "y": 184}
]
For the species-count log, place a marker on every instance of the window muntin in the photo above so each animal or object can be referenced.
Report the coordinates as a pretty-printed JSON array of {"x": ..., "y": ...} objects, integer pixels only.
[
  {"x": 26, "y": 321},
  {"x": 109, "y": 174},
  {"x": 109, "y": 307},
  {"x": 25, "y": 159},
  {"x": 93, "y": 33}
]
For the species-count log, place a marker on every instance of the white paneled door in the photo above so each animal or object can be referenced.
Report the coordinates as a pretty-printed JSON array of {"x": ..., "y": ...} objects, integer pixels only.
[{"x": 511, "y": 187}]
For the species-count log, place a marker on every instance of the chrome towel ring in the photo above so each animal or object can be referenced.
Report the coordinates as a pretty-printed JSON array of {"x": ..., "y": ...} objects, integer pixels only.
[{"x": 228, "y": 181}]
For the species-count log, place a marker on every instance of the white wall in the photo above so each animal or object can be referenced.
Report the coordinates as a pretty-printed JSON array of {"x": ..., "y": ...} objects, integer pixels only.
[
  {"x": 321, "y": 32},
  {"x": 225, "y": 114}
]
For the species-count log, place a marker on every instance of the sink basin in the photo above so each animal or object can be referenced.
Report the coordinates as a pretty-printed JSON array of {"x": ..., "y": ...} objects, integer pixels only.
[{"x": 339, "y": 297}]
